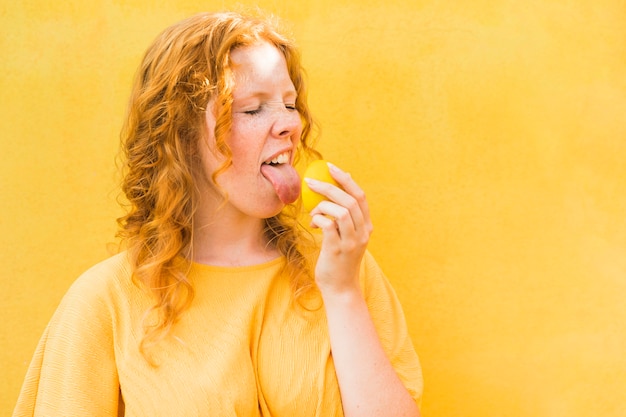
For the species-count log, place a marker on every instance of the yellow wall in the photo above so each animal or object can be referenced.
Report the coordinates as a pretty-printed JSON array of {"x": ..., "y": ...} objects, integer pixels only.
[{"x": 490, "y": 137}]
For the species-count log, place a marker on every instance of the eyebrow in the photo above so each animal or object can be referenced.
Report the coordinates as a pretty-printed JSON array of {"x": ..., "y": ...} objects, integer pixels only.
[{"x": 263, "y": 93}]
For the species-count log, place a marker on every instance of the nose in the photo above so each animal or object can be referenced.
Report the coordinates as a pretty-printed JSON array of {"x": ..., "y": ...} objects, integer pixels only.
[{"x": 287, "y": 123}]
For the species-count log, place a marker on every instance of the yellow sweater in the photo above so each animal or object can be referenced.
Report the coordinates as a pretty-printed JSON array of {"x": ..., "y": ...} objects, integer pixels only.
[{"x": 242, "y": 349}]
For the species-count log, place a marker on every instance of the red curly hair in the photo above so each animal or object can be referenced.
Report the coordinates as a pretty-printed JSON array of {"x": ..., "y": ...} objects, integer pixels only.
[{"x": 187, "y": 66}]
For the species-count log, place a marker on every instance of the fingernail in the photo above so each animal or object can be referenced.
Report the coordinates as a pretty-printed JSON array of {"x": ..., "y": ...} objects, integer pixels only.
[
  {"x": 311, "y": 181},
  {"x": 336, "y": 169},
  {"x": 333, "y": 167}
]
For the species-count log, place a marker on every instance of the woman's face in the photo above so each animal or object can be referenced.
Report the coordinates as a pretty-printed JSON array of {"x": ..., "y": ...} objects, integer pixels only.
[{"x": 266, "y": 129}]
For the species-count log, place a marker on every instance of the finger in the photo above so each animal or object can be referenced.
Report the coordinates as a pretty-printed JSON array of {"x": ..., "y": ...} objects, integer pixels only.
[
  {"x": 347, "y": 219},
  {"x": 350, "y": 196},
  {"x": 352, "y": 188},
  {"x": 328, "y": 190},
  {"x": 328, "y": 226},
  {"x": 340, "y": 197}
]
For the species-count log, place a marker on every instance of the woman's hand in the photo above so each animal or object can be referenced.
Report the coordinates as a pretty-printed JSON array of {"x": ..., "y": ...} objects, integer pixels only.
[
  {"x": 361, "y": 364},
  {"x": 346, "y": 225}
]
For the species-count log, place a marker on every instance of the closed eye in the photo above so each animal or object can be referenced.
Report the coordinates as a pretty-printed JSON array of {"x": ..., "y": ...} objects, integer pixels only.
[
  {"x": 274, "y": 106},
  {"x": 253, "y": 112}
]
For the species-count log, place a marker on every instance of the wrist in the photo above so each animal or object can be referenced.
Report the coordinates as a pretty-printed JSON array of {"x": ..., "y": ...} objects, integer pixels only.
[{"x": 342, "y": 295}]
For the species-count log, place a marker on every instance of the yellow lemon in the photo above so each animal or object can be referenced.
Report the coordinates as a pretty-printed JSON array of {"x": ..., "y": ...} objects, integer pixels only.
[{"x": 317, "y": 170}]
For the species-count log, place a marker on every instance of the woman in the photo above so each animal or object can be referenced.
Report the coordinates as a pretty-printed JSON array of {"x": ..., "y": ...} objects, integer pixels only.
[{"x": 221, "y": 303}]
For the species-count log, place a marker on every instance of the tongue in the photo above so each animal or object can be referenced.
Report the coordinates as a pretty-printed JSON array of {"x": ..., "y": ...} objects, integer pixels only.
[{"x": 285, "y": 180}]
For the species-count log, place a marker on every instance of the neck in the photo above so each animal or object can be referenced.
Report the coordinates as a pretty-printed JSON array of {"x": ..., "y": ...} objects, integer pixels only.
[{"x": 230, "y": 239}]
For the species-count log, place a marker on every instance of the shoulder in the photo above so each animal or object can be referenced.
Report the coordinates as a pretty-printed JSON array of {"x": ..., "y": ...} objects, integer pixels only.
[
  {"x": 115, "y": 266},
  {"x": 372, "y": 276},
  {"x": 390, "y": 322},
  {"x": 369, "y": 264},
  {"x": 73, "y": 370},
  {"x": 379, "y": 293},
  {"x": 110, "y": 272},
  {"x": 99, "y": 286}
]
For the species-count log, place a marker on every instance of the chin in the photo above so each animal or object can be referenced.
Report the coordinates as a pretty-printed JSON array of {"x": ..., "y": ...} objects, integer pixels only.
[
  {"x": 277, "y": 209},
  {"x": 272, "y": 213},
  {"x": 268, "y": 210}
]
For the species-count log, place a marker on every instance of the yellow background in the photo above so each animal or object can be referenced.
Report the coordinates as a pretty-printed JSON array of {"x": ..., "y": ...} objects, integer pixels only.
[{"x": 490, "y": 137}]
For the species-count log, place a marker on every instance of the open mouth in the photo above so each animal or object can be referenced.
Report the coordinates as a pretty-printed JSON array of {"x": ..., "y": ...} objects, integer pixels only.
[
  {"x": 283, "y": 158},
  {"x": 283, "y": 177}
]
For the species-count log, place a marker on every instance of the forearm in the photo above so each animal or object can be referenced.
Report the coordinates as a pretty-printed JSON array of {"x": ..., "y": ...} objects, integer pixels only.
[{"x": 368, "y": 382}]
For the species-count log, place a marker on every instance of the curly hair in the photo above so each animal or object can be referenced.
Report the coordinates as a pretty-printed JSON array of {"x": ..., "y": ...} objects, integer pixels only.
[{"x": 187, "y": 66}]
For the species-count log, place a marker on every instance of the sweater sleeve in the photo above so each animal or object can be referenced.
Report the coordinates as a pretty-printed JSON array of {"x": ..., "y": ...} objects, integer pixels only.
[
  {"x": 73, "y": 370},
  {"x": 391, "y": 326}
]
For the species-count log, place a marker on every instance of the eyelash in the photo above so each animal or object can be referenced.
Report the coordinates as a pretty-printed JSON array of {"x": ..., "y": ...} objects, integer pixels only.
[{"x": 290, "y": 107}]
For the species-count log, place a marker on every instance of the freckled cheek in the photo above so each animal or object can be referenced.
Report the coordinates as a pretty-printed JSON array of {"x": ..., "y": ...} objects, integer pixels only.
[
  {"x": 246, "y": 146},
  {"x": 249, "y": 135},
  {"x": 298, "y": 135},
  {"x": 251, "y": 126}
]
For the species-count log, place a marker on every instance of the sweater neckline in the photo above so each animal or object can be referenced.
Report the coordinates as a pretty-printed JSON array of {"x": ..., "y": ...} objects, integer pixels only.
[{"x": 200, "y": 267}]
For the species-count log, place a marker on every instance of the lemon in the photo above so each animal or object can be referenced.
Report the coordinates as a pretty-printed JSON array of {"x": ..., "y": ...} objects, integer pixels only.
[{"x": 317, "y": 170}]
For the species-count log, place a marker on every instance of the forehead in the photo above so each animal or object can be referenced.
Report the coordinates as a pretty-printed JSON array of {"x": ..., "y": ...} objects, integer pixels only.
[{"x": 259, "y": 65}]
